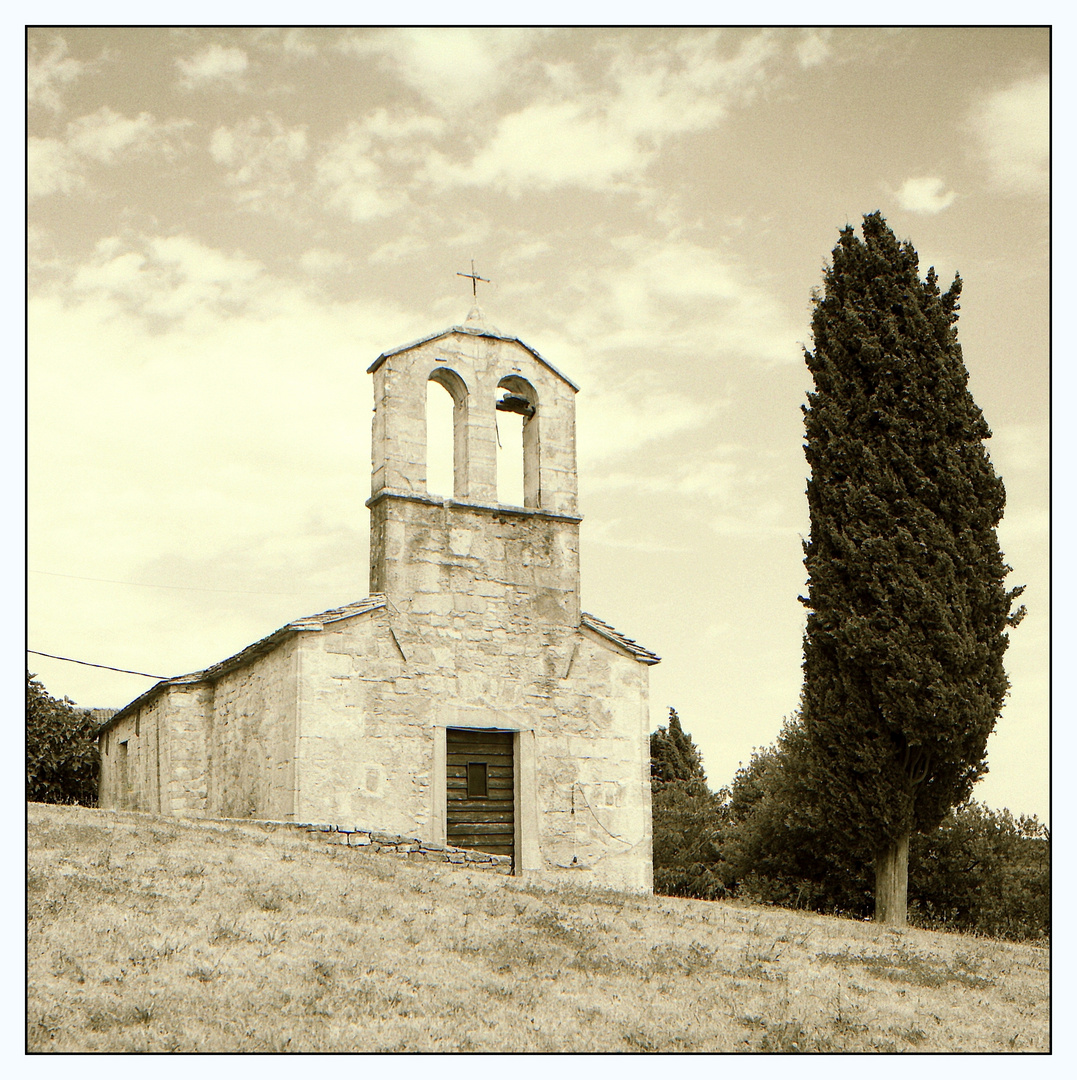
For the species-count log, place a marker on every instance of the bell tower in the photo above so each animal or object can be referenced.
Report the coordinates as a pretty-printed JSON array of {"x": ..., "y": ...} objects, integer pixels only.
[{"x": 470, "y": 555}]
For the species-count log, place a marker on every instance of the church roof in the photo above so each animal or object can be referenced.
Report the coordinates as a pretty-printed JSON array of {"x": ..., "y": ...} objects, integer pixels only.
[
  {"x": 252, "y": 652},
  {"x": 608, "y": 632},
  {"x": 474, "y": 328},
  {"x": 319, "y": 622}
]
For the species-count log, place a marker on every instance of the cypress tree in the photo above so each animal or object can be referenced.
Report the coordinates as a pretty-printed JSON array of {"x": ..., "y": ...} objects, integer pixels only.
[
  {"x": 903, "y": 674},
  {"x": 674, "y": 756}
]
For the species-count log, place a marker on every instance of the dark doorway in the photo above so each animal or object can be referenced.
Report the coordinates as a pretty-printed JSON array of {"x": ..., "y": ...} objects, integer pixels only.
[{"x": 479, "y": 788}]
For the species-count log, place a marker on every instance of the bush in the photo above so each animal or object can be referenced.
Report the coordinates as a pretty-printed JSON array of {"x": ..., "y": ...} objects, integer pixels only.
[
  {"x": 689, "y": 823},
  {"x": 778, "y": 851},
  {"x": 61, "y": 749},
  {"x": 982, "y": 870}
]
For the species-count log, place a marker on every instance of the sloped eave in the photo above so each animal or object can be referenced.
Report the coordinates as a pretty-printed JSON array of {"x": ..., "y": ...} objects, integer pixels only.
[
  {"x": 472, "y": 332},
  {"x": 638, "y": 652},
  {"x": 251, "y": 652}
]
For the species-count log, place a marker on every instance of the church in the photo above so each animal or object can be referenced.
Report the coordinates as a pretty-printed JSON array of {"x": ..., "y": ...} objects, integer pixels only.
[{"x": 467, "y": 700}]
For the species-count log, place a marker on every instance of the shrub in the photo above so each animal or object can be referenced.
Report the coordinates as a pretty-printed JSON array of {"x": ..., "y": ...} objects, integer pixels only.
[
  {"x": 983, "y": 870},
  {"x": 61, "y": 749}
]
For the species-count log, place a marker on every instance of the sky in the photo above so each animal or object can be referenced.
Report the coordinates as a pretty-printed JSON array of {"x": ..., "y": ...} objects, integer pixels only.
[{"x": 226, "y": 227}]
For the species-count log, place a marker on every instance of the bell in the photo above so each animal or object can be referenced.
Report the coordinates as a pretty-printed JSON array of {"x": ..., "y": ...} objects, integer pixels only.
[{"x": 515, "y": 403}]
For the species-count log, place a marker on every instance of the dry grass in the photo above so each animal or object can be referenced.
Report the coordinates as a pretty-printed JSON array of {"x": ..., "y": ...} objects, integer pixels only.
[{"x": 155, "y": 934}]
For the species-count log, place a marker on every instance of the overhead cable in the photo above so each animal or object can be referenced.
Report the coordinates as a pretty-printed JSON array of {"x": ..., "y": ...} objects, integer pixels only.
[{"x": 107, "y": 667}]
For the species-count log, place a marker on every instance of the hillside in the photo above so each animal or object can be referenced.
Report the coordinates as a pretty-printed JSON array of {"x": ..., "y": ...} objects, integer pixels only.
[{"x": 157, "y": 934}]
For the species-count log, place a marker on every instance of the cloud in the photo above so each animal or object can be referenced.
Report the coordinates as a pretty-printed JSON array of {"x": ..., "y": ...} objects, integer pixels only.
[
  {"x": 658, "y": 297},
  {"x": 320, "y": 262},
  {"x": 925, "y": 195},
  {"x": 365, "y": 171},
  {"x": 105, "y": 135},
  {"x": 171, "y": 403},
  {"x": 1013, "y": 129},
  {"x": 101, "y": 138},
  {"x": 814, "y": 47},
  {"x": 597, "y": 137},
  {"x": 615, "y": 421},
  {"x": 1019, "y": 527},
  {"x": 49, "y": 72},
  {"x": 169, "y": 278},
  {"x": 213, "y": 64},
  {"x": 453, "y": 68},
  {"x": 1020, "y": 447},
  {"x": 51, "y": 168},
  {"x": 259, "y": 156}
]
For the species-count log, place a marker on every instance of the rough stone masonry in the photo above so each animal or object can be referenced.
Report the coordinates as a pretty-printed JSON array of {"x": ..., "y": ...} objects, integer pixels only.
[{"x": 467, "y": 701}]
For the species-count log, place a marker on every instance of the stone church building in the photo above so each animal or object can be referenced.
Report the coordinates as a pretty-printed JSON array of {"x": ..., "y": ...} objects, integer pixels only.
[{"x": 467, "y": 701}]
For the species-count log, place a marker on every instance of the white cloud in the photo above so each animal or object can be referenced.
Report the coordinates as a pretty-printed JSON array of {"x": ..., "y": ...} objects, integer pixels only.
[
  {"x": 451, "y": 67},
  {"x": 550, "y": 144},
  {"x": 104, "y": 135},
  {"x": 613, "y": 422},
  {"x": 1020, "y": 526},
  {"x": 1012, "y": 126},
  {"x": 359, "y": 170},
  {"x": 925, "y": 195},
  {"x": 319, "y": 261},
  {"x": 170, "y": 278},
  {"x": 48, "y": 73},
  {"x": 213, "y": 64},
  {"x": 814, "y": 48},
  {"x": 598, "y": 137},
  {"x": 662, "y": 297},
  {"x": 259, "y": 155},
  {"x": 51, "y": 168},
  {"x": 101, "y": 138}
]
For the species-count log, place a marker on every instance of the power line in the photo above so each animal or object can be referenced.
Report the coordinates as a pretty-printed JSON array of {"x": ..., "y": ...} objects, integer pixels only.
[
  {"x": 146, "y": 585},
  {"x": 86, "y": 663}
]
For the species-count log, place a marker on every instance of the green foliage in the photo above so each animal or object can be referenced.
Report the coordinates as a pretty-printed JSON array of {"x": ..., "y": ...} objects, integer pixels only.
[
  {"x": 687, "y": 817},
  {"x": 903, "y": 675},
  {"x": 673, "y": 754},
  {"x": 985, "y": 871},
  {"x": 981, "y": 870},
  {"x": 689, "y": 824},
  {"x": 61, "y": 749},
  {"x": 780, "y": 849}
]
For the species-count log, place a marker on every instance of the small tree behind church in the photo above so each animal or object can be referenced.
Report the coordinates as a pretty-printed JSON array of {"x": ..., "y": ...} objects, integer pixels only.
[
  {"x": 688, "y": 818},
  {"x": 903, "y": 675}
]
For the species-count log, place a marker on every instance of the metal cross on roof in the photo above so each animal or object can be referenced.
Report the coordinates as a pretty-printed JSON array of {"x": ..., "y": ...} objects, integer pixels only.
[{"x": 474, "y": 278}]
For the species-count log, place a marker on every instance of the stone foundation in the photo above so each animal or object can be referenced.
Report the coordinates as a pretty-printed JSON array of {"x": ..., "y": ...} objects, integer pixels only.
[{"x": 407, "y": 847}]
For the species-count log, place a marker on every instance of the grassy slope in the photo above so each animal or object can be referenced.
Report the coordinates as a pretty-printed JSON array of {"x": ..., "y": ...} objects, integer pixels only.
[{"x": 155, "y": 934}]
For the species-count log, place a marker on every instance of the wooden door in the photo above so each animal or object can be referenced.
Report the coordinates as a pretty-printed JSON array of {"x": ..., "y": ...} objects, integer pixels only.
[{"x": 479, "y": 787}]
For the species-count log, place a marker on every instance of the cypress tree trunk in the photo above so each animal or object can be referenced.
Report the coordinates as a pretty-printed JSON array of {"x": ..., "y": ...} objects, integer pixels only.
[{"x": 892, "y": 883}]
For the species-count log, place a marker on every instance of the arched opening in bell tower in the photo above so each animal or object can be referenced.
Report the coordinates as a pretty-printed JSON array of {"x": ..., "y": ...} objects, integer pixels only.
[
  {"x": 516, "y": 416},
  {"x": 446, "y": 434}
]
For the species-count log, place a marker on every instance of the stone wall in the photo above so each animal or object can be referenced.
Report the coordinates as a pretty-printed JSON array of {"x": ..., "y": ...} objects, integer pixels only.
[
  {"x": 134, "y": 756},
  {"x": 409, "y": 847},
  {"x": 378, "y": 692},
  {"x": 483, "y": 366},
  {"x": 251, "y": 737}
]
